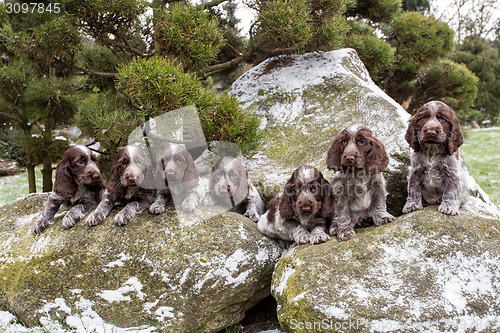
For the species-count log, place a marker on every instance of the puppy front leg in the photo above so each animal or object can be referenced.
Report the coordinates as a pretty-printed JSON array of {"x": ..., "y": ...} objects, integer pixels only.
[
  {"x": 319, "y": 232},
  {"x": 161, "y": 199},
  {"x": 102, "y": 211},
  {"x": 297, "y": 231},
  {"x": 131, "y": 210},
  {"x": 342, "y": 224},
  {"x": 379, "y": 205},
  {"x": 414, "y": 200},
  {"x": 252, "y": 211},
  {"x": 450, "y": 200},
  {"x": 47, "y": 217},
  {"x": 76, "y": 213},
  {"x": 190, "y": 203}
]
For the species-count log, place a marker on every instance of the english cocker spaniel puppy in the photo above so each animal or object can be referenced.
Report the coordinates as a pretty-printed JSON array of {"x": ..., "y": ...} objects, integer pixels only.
[
  {"x": 300, "y": 213},
  {"x": 176, "y": 169},
  {"x": 78, "y": 184},
  {"x": 437, "y": 172},
  {"x": 358, "y": 186},
  {"x": 230, "y": 187},
  {"x": 130, "y": 183}
]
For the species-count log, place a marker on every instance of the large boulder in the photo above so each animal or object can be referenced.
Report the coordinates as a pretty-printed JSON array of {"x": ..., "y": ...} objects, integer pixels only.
[
  {"x": 423, "y": 272},
  {"x": 304, "y": 101},
  {"x": 157, "y": 271}
]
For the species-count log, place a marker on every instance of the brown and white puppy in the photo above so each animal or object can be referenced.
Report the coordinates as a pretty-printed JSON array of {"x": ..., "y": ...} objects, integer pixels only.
[
  {"x": 78, "y": 184},
  {"x": 176, "y": 169},
  {"x": 437, "y": 173},
  {"x": 358, "y": 186},
  {"x": 230, "y": 187},
  {"x": 129, "y": 184},
  {"x": 300, "y": 213}
]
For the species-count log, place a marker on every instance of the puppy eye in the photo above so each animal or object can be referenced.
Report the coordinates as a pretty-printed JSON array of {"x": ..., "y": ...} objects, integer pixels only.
[
  {"x": 314, "y": 188},
  {"x": 343, "y": 142},
  {"x": 179, "y": 160},
  {"x": 123, "y": 162},
  {"x": 421, "y": 118},
  {"x": 80, "y": 162},
  {"x": 362, "y": 142},
  {"x": 139, "y": 163}
]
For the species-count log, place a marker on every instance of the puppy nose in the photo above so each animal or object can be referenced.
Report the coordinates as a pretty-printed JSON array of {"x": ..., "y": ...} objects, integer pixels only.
[
  {"x": 305, "y": 205},
  {"x": 170, "y": 174},
  {"x": 350, "y": 159},
  {"x": 431, "y": 131}
]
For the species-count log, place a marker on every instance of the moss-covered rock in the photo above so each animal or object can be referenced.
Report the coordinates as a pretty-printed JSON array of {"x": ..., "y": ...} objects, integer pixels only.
[
  {"x": 304, "y": 101},
  {"x": 423, "y": 272},
  {"x": 157, "y": 271}
]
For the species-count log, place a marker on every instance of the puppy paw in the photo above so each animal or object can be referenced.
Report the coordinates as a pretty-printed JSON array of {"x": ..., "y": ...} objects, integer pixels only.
[
  {"x": 343, "y": 236},
  {"x": 95, "y": 218},
  {"x": 189, "y": 204},
  {"x": 208, "y": 201},
  {"x": 383, "y": 219},
  {"x": 448, "y": 208},
  {"x": 411, "y": 206},
  {"x": 333, "y": 230},
  {"x": 40, "y": 225},
  {"x": 157, "y": 208},
  {"x": 318, "y": 237},
  {"x": 123, "y": 217},
  {"x": 69, "y": 221},
  {"x": 252, "y": 215},
  {"x": 302, "y": 237}
]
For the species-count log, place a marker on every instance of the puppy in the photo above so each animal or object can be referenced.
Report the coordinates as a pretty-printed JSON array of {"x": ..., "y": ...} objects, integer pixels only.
[
  {"x": 437, "y": 172},
  {"x": 229, "y": 186},
  {"x": 129, "y": 183},
  {"x": 176, "y": 168},
  {"x": 358, "y": 186},
  {"x": 78, "y": 185},
  {"x": 299, "y": 214}
]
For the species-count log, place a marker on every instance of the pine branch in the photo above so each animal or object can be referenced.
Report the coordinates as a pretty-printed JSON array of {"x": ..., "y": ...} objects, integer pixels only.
[
  {"x": 126, "y": 46},
  {"x": 91, "y": 72},
  {"x": 8, "y": 116},
  {"x": 210, "y": 4}
]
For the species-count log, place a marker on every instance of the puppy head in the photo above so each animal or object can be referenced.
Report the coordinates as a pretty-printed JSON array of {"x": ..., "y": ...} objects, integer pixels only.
[
  {"x": 131, "y": 167},
  {"x": 356, "y": 147},
  {"x": 176, "y": 166},
  {"x": 229, "y": 177},
  {"x": 77, "y": 167},
  {"x": 435, "y": 123},
  {"x": 306, "y": 193}
]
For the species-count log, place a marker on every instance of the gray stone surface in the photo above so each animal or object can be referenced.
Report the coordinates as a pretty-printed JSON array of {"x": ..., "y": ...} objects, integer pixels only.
[
  {"x": 157, "y": 271},
  {"x": 423, "y": 272}
]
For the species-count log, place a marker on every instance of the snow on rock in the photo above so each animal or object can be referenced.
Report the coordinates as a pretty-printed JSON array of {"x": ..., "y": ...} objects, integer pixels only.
[
  {"x": 155, "y": 274},
  {"x": 423, "y": 272}
]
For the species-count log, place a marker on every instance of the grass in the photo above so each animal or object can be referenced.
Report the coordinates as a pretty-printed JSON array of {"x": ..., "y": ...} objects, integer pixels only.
[
  {"x": 16, "y": 186},
  {"x": 481, "y": 153}
]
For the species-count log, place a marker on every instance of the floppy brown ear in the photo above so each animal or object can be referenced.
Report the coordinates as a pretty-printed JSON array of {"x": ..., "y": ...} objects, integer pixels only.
[
  {"x": 411, "y": 135},
  {"x": 456, "y": 138},
  {"x": 114, "y": 185},
  {"x": 334, "y": 155},
  {"x": 286, "y": 204},
  {"x": 191, "y": 176},
  {"x": 327, "y": 204},
  {"x": 64, "y": 184},
  {"x": 377, "y": 159}
]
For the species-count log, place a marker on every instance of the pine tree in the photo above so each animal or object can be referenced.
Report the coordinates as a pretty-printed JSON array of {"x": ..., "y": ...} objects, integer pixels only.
[{"x": 484, "y": 61}]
